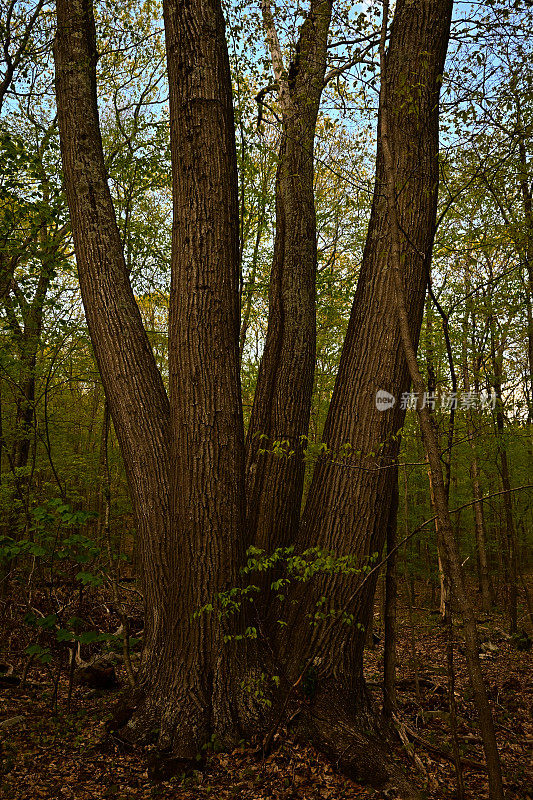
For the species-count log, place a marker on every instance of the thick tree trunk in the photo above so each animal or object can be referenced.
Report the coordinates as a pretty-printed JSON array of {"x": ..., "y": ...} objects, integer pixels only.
[
  {"x": 439, "y": 491},
  {"x": 134, "y": 389},
  {"x": 184, "y": 461},
  {"x": 350, "y": 497},
  {"x": 282, "y": 402},
  {"x": 191, "y": 676}
]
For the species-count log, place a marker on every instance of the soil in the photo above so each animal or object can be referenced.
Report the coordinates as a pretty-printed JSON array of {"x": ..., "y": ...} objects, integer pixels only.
[{"x": 49, "y": 751}]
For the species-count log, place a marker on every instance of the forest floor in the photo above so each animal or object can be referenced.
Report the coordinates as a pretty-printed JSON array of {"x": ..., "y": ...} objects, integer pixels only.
[{"x": 47, "y": 753}]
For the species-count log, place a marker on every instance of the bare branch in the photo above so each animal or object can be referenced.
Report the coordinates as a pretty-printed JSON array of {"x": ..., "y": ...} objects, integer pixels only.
[{"x": 278, "y": 66}]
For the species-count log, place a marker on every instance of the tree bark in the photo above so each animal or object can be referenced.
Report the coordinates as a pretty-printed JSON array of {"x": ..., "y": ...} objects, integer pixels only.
[
  {"x": 430, "y": 439},
  {"x": 191, "y": 674},
  {"x": 134, "y": 388},
  {"x": 282, "y": 401},
  {"x": 350, "y": 497},
  {"x": 184, "y": 459}
]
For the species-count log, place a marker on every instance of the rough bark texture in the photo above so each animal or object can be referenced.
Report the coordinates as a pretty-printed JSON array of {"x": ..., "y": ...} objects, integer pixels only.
[
  {"x": 193, "y": 676},
  {"x": 137, "y": 399},
  {"x": 349, "y": 500},
  {"x": 439, "y": 493},
  {"x": 191, "y": 450},
  {"x": 184, "y": 460},
  {"x": 282, "y": 401}
]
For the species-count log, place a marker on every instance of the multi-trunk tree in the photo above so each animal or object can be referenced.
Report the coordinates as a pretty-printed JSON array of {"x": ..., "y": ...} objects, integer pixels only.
[{"x": 184, "y": 453}]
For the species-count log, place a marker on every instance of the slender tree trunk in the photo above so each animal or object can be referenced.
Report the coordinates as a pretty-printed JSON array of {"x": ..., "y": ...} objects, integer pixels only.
[
  {"x": 29, "y": 347},
  {"x": 27, "y": 339},
  {"x": 282, "y": 402},
  {"x": 527, "y": 254},
  {"x": 452, "y": 705},
  {"x": 390, "y": 613},
  {"x": 432, "y": 387},
  {"x": 509, "y": 535},
  {"x": 485, "y": 585},
  {"x": 479, "y": 522},
  {"x": 430, "y": 439},
  {"x": 248, "y": 292}
]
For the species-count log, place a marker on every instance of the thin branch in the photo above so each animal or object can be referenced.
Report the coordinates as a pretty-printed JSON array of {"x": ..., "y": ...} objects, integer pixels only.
[{"x": 278, "y": 66}]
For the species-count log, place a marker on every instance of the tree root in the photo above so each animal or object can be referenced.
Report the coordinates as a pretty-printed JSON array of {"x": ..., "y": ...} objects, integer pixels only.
[
  {"x": 355, "y": 744},
  {"x": 353, "y": 741}
]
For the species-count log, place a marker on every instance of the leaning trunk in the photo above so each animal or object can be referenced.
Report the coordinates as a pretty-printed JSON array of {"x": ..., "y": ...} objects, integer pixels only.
[
  {"x": 134, "y": 389},
  {"x": 282, "y": 402},
  {"x": 350, "y": 497}
]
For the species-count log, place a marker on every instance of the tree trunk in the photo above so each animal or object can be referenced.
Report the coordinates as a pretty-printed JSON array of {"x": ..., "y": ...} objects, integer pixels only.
[
  {"x": 527, "y": 250},
  {"x": 432, "y": 387},
  {"x": 282, "y": 402},
  {"x": 509, "y": 534},
  {"x": 27, "y": 340},
  {"x": 479, "y": 522},
  {"x": 349, "y": 501},
  {"x": 485, "y": 586},
  {"x": 191, "y": 675},
  {"x": 184, "y": 460},
  {"x": 439, "y": 492},
  {"x": 391, "y": 603},
  {"x": 134, "y": 389},
  {"x": 250, "y": 287}
]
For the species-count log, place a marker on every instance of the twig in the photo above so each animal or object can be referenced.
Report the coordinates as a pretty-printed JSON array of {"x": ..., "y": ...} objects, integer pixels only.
[{"x": 431, "y": 748}]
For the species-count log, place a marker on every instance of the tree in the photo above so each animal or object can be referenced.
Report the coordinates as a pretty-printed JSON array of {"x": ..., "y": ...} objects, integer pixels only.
[
  {"x": 282, "y": 400},
  {"x": 137, "y": 398},
  {"x": 207, "y": 489},
  {"x": 191, "y": 536},
  {"x": 349, "y": 501},
  {"x": 184, "y": 454},
  {"x": 16, "y": 31}
]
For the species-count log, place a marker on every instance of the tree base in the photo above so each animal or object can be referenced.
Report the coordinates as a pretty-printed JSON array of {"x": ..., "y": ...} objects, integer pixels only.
[{"x": 354, "y": 741}]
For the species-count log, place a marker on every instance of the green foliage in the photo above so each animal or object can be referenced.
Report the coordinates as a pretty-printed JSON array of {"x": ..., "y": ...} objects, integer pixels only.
[
  {"x": 58, "y": 545},
  {"x": 294, "y": 568}
]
